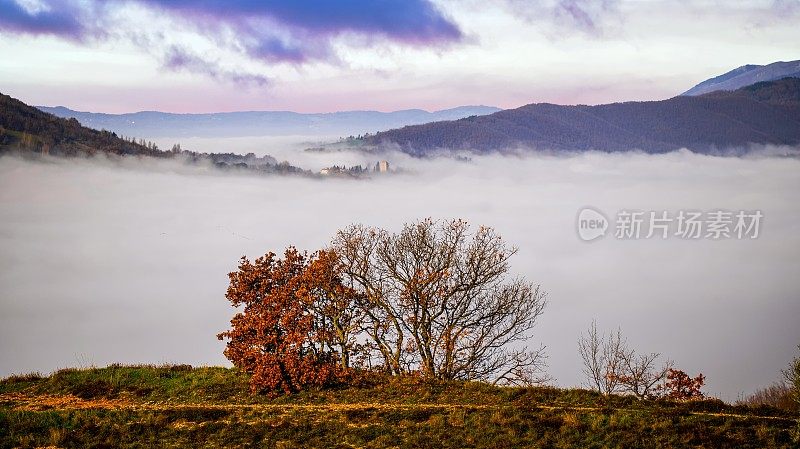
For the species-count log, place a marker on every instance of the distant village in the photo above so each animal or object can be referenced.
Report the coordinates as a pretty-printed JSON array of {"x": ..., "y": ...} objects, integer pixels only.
[{"x": 356, "y": 171}]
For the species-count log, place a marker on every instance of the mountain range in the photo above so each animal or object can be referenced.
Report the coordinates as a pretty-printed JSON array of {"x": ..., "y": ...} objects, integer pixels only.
[
  {"x": 151, "y": 124},
  {"x": 723, "y": 120},
  {"x": 747, "y": 75},
  {"x": 762, "y": 113}
]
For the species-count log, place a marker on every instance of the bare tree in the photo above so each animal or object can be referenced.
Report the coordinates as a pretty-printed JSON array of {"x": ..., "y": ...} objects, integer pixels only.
[
  {"x": 525, "y": 369},
  {"x": 610, "y": 366},
  {"x": 356, "y": 247},
  {"x": 602, "y": 358},
  {"x": 590, "y": 349},
  {"x": 438, "y": 301},
  {"x": 640, "y": 374}
]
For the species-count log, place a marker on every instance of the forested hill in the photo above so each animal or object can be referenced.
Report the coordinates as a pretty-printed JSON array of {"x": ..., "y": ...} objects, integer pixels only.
[
  {"x": 762, "y": 113},
  {"x": 26, "y": 129}
]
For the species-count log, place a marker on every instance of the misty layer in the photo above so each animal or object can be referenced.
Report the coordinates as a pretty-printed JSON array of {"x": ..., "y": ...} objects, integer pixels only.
[{"x": 135, "y": 271}]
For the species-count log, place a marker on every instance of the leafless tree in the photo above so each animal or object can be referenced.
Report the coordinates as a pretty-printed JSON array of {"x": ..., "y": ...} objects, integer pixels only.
[
  {"x": 525, "y": 369},
  {"x": 610, "y": 366},
  {"x": 640, "y": 375},
  {"x": 602, "y": 358},
  {"x": 438, "y": 300}
]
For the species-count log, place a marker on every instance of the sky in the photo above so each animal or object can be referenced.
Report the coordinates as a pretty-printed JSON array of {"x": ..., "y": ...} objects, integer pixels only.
[
  {"x": 324, "y": 56},
  {"x": 126, "y": 261}
]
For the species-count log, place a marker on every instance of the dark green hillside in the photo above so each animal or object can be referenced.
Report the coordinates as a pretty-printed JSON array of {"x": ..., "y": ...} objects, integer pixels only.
[
  {"x": 28, "y": 130},
  {"x": 181, "y": 406},
  {"x": 763, "y": 113}
]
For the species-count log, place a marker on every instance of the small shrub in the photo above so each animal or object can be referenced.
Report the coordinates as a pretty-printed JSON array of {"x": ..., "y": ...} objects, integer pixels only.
[
  {"x": 682, "y": 387},
  {"x": 180, "y": 368},
  {"x": 27, "y": 377},
  {"x": 778, "y": 395}
]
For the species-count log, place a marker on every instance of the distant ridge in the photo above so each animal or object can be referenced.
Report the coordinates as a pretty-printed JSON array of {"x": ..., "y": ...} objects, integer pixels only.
[
  {"x": 745, "y": 76},
  {"x": 152, "y": 124},
  {"x": 763, "y": 113}
]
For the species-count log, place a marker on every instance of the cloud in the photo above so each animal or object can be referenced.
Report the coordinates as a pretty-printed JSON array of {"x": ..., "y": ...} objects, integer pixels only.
[
  {"x": 177, "y": 58},
  {"x": 142, "y": 261},
  {"x": 59, "y": 18},
  {"x": 271, "y": 31},
  {"x": 592, "y": 18},
  {"x": 416, "y": 22},
  {"x": 586, "y": 16}
]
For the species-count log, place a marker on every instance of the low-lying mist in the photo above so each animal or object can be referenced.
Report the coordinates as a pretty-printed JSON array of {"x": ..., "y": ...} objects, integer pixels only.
[{"x": 106, "y": 262}]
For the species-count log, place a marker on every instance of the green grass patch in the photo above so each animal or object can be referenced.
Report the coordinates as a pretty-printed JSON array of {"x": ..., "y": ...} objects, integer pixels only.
[{"x": 182, "y": 406}]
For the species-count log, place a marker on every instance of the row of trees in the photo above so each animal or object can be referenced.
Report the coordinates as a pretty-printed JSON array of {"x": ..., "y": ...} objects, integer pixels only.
[{"x": 434, "y": 299}]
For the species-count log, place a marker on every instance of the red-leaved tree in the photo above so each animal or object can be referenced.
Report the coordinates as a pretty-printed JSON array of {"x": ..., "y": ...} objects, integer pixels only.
[
  {"x": 279, "y": 337},
  {"x": 680, "y": 386}
]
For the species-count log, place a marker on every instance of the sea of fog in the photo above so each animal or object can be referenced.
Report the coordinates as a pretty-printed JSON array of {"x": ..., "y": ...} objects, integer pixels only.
[{"x": 104, "y": 262}]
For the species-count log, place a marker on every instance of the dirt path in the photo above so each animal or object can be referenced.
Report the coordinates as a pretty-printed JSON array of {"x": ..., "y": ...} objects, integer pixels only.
[{"x": 22, "y": 401}]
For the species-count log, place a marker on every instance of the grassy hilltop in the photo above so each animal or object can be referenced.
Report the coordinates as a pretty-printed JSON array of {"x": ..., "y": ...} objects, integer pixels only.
[{"x": 182, "y": 406}]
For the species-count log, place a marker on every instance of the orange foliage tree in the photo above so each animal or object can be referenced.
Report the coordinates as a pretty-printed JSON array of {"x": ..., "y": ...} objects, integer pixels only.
[
  {"x": 282, "y": 336},
  {"x": 680, "y": 386}
]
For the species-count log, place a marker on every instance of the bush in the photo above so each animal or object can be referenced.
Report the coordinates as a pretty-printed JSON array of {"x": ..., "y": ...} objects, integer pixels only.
[{"x": 279, "y": 338}]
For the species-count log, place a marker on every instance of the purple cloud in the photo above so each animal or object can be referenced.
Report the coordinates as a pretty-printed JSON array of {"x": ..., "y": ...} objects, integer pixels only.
[
  {"x": 59, "y": 18},
  {"x": 178, "y": 59},
  {"x": 407, "y": 21},
  {"x": 293, "y": 31},
  {"x": 273, "y": 31},
  {"x": 584, "y": 16},
  {"x": 576, "y": 12}
]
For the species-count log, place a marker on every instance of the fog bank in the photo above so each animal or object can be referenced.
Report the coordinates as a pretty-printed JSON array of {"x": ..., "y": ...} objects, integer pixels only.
[{"x": 102, "y": 263}]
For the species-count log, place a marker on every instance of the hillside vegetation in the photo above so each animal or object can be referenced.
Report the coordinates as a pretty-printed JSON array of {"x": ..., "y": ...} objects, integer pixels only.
[
  {"x": 29, "y": 132},
  {"x": 182, "y": 406},
  {"x": 764, "y": 113},
  {"x": 26, "y": 129}
]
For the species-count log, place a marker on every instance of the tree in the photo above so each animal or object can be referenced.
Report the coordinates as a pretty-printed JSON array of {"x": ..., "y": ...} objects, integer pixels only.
[
  {"x": 333, "y": 305},
  {"x": 682, "y": 387},
  {"x": 610, "y": 366},
  {"x": 792, "y": 376},
  {"x": 602, "y": 359},
  {"x": 437, "y": 300},
  {"x": 640, "y": 375},
  {"x": 277, "y": 338}
]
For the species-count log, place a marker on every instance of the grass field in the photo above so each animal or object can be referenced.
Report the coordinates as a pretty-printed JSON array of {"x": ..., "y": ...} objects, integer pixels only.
[{"x": 181, "y": 406}]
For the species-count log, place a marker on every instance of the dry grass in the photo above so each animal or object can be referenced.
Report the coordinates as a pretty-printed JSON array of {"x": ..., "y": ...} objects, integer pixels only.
[{"x": 210, "y": 407}]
